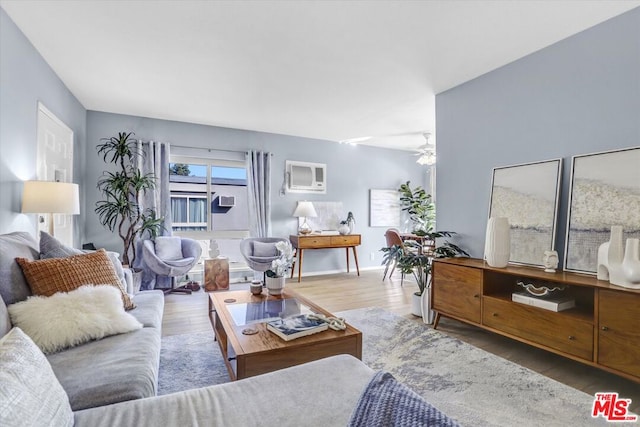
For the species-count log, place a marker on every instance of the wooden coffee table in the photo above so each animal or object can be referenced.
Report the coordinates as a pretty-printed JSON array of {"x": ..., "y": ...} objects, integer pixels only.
[{"x": 249, "y": 355}]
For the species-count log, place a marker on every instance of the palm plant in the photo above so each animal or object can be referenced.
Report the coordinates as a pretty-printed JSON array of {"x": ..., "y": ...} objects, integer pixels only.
[{"x": 120, "y": 210}]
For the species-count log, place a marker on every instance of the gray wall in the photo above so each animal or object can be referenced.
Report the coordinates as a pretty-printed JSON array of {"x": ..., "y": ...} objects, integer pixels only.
[
  {"x": 351, "y": 172},
  {"x": 578, "y": 96},
  {"x": 25, "y": 79}
]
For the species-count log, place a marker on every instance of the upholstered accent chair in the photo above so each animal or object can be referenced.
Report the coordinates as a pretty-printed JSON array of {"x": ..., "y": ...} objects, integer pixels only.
[
  {"x": 259, "y": 252},
  {"x": 172, "y": 257}
]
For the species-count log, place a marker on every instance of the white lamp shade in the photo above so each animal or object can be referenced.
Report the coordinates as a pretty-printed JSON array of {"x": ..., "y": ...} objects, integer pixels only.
[
  {"x": 305, "y": 209},
  {"x": 50, "y": 197}
]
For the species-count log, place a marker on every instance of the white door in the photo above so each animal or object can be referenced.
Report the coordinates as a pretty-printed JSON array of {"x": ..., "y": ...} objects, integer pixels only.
[{"x": 55, "y": 163}]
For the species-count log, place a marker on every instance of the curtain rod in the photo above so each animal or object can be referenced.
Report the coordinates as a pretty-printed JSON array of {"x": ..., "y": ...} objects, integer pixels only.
[{"x": 214, "y": 149}]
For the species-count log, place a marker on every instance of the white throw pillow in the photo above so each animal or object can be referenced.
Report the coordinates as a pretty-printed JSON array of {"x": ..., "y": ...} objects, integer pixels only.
[
  {"x": 168, "y": 247},
  {"x": 67, "y": 319},
  {"x": 30, "y": 394}
]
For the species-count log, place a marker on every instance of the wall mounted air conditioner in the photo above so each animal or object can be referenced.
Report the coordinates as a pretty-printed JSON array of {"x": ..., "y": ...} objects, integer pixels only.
[
  {"x": 226, "y": 201},
  {"x": 305, "y": 177}
]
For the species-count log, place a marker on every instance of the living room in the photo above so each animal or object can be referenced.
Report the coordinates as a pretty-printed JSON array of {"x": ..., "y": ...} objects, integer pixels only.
[{"x": 566, "y": 97}]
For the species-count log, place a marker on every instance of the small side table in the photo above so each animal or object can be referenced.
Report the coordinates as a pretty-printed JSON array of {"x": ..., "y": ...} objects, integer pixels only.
[{"x": 216, "y": 274}]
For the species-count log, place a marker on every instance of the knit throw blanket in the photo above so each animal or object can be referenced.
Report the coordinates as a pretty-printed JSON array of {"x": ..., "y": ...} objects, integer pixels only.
[{"x": 386, "y": 402}]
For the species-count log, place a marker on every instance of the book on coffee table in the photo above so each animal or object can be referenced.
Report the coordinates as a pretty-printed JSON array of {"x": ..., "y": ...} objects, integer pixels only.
[{"x": 298, "y": 326}]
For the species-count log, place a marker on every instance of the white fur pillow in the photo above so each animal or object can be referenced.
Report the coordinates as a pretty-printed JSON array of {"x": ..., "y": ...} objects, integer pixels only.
[{"x": 67, "y": 319}]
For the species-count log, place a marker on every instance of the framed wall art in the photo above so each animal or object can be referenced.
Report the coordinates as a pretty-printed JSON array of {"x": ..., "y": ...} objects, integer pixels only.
[
  {"x": 527, "y": 194},
  {"x": 329, "y": 216},
  {"x": 384, "y": 208},
  {"x": 605, "y": 191}
]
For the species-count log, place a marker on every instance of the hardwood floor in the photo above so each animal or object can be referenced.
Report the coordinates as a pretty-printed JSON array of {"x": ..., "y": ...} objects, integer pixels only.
[{"x": 338, "y": 292}]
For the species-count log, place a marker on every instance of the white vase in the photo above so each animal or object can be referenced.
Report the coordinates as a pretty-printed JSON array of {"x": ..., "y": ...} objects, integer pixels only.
[
  {"x": 631, "y": 261},
  {"x": 343, "y": 229},
  {"x": 497, "y": 247},
  {"x": 275, "y": 285},
  {"x": 416, "y": 305},
  {"x": 428, "y": 315}
]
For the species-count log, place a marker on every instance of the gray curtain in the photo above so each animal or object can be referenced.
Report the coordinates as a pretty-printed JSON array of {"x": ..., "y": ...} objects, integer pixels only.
[
  {"x": 155, "y": 160},
  {"x": 259, "y": 189}
]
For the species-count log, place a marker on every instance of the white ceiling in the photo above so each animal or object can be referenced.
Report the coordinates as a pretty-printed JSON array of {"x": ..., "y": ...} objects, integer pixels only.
[{"x": 331, "y": 70}]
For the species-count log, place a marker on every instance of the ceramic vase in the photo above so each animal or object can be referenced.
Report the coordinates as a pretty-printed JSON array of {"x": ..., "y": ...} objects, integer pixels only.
[
  {"x": 497, "y": 249},
  {"x": 275, "y": 285},
  {"x": 428, "y": 315},
  {"x": 343, "y": 229},
  {"x": 416, "y": 305},
  {"x": 631, "y": 261}
]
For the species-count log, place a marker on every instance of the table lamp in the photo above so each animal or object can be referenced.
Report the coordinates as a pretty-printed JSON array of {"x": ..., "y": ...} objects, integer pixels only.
[
  {"x": 305, "y": 209},
  {"x": 50, "y": 197}
]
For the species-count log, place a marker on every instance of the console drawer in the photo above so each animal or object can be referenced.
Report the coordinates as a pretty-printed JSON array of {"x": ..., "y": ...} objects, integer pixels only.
[
  {"x": 314, "y": 242},
  {"x": 554, "y": 330},
  {"x": 345, "y": 240}
]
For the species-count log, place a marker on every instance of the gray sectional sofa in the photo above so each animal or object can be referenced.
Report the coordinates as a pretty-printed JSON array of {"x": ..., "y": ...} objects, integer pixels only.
[
  {"x": 114, "y": 369},
  {"x": 112, "y": 381}
]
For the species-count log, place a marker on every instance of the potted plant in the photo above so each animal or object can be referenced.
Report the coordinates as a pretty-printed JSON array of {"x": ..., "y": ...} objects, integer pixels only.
[
  {"x": 420, "y": 207},
  {"x": 275, "y": 276},
  {"x": 418, "y": 262},
  {"x": 122, "y": 189}
]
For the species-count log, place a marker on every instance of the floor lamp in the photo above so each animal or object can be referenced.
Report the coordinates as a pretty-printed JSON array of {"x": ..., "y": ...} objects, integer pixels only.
[{"x": 50, "y": 198}]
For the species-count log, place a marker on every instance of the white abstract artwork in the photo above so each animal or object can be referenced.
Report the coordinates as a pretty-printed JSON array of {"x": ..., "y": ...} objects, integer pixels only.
[
  {"x": 605, "y": 191},
  {"x": 527, "y": 194},
  {"x": 384, "y": 208},
  {"x": 329, "y": 216}
]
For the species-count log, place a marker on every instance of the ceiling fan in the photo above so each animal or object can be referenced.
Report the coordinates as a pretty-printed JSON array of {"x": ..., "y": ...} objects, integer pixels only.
[{"x": 427, "y": 152}]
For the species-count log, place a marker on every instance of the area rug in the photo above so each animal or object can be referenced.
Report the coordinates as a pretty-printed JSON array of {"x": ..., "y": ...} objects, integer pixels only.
[
  {"x": 190, "y": 361},
  {"x": 470, "y": 385}
]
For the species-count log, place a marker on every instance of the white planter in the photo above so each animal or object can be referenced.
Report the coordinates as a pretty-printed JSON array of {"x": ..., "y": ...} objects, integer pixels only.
[
  {"x": 497, "y": 248},
  {"x": 428, "y": 315},
  {"x": 344, "y": 229},
  {"x": 416, "y": 305},
  {"x": 275, "y": 285}
]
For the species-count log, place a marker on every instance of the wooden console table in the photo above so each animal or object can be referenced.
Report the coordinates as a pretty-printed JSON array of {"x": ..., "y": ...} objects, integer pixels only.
[
  {"x": 601, "y": 330},
  {"x": 319, "y": 241}
]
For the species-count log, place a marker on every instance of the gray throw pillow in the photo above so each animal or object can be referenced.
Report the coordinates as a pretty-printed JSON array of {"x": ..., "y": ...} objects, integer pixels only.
[
  {"x": 264, "y": 250},
  {"x": 30, "y": 394},
  {"x": 13, "y": 285},
  {"x": 50, "y": 247}
]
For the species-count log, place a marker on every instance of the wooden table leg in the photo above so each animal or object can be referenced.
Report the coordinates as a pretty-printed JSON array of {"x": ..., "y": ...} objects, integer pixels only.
[
  {"x": 436, "y": 320},
  {"x": 355, "y": 256},
  {"x": 300, "y": 264},
  {"x": 347, "y": 249},
  {"x": 293, "y": 265}
]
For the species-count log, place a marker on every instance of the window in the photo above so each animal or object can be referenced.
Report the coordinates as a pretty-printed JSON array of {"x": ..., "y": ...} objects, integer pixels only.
[{"x": 196, "y": 186}]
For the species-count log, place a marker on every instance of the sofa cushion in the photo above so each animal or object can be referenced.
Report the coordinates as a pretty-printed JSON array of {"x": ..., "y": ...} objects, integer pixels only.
[
  {"x": 68, "y": 319},
  {"x": 114, "y": 369},
  {"x": 322, "y": 393},
  {"x": 168, "y": 248},
  {"x": 13, "y": 285},
  {"x": 149, "y": 308},
  {"x": 48, "y": 276},
  {"x": 30, "y": 394},
  {"x": 50, "y": 247}
]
